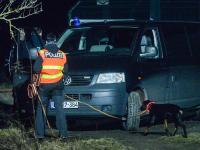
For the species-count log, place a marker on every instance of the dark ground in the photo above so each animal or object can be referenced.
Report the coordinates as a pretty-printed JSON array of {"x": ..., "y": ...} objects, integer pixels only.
[{"x": 156, "y": 140}]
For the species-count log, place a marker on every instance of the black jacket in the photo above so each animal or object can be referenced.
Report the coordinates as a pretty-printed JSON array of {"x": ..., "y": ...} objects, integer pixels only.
[{"x": 25, "y": 45}]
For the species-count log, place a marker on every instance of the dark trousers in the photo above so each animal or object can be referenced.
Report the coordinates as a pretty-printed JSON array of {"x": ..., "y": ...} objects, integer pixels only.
[{"x": 56, "y": 93}]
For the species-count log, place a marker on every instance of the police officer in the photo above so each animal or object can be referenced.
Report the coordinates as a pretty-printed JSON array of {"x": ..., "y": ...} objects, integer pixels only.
[{"x": 51, "y": 64}]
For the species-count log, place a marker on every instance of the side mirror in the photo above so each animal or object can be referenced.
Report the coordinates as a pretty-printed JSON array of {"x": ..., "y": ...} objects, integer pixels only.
[{"x": 148, "y": 52}]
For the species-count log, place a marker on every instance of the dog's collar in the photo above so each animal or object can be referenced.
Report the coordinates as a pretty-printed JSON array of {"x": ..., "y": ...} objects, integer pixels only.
[{"x": 149, "y": 105}]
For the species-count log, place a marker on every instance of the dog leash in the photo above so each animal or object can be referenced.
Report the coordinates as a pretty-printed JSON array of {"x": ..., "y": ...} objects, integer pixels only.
[
  {"x": 102, "y": 112},
  {"x": 92, "y": 107},
  {"x": 141, "y": 113}
]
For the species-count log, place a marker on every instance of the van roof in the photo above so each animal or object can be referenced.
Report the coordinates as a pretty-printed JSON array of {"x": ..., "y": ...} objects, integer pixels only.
[
  {"x": 93, "y": 22},
  {"x": 142, "y": 10}
]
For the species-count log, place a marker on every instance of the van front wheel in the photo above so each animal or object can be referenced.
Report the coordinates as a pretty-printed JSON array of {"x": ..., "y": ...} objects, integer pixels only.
[{"x": 133, "y": 109}]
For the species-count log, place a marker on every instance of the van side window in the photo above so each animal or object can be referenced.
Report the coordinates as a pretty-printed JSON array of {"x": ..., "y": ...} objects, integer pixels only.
[
  {"x": 175, "y": 41},
  {"x": 193, "y": 32},
  {"x": 149, "y": 47}
]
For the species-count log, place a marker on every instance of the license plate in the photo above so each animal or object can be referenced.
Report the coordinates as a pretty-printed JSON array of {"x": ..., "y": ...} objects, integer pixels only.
[{"x": 72, "y": 104}]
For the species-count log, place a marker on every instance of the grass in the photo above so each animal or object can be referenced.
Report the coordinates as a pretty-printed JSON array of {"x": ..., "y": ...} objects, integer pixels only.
[
  {"x": 15, "y": 139},
  {"x": 193, "y": 139},
  {"x": 92, "y": 144}
]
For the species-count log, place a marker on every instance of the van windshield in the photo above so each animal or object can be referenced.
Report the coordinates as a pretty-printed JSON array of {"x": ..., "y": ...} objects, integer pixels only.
[{"x": 99, "y": 40}]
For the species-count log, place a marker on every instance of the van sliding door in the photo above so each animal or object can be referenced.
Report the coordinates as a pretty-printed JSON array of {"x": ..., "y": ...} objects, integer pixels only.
[
  {"x": 182, "y": 67},
  {"x": 193, "y": 35}
]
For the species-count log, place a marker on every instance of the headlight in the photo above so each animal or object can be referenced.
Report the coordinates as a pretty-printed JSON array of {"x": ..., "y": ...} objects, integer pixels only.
[{"x": 111, "y": 78}]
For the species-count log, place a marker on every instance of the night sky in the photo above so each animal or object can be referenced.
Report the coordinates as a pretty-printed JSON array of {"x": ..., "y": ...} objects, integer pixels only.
[
  {"x": 52, "y": 19},
  {"x": 54, "y": 15}
]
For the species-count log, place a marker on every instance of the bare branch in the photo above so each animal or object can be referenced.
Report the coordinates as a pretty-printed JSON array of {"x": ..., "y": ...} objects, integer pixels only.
[{"x": 18, "y": 9}]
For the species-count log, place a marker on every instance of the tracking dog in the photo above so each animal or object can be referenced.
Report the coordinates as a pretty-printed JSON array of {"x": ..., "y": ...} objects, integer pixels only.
[{"x": 163, "y": 112}]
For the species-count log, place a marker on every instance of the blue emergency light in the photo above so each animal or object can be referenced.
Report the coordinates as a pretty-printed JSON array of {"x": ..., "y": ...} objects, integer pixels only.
[{"x": 76, "y": 22}]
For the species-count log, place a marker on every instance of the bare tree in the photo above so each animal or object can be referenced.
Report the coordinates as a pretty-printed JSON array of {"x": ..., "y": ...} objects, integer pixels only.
[{"x": 11, "y": 10}]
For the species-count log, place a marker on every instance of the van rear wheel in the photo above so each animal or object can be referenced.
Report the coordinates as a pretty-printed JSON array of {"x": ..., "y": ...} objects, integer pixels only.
[{"x": 133, "y": 109}]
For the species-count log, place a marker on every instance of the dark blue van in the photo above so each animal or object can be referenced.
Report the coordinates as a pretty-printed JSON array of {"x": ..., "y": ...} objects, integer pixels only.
[{"x": 116, "y": 64}]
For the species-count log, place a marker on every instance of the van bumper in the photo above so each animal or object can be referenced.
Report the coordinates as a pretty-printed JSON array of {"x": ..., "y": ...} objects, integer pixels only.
[{"x": 109, "y": 98}]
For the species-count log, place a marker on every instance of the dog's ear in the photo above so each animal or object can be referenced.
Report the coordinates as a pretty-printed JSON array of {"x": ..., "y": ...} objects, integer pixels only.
[
  {"x": 146, "y": 102},
  {"x": 144, "y": 105}
]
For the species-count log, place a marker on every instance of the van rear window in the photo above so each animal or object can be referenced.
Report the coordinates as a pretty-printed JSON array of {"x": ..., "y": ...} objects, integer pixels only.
[
  {"x": 193, "y": 32},
  {"x": 176, "y": 41}
]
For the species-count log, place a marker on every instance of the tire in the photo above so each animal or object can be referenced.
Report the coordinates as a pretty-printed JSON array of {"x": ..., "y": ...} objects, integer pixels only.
[{"x": 133, "y": 108}]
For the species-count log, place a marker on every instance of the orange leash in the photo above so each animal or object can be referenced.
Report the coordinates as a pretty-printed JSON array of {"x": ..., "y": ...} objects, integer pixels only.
[
  {"x": 32, "y": 91},
  {"x": 32, "y": 87}
]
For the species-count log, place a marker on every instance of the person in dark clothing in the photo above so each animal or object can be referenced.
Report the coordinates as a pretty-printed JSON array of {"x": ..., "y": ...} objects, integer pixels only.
[
  {"x": 21, "y": 58},
  {"x": 29, "y": 46},
  {"x": 51, "y": 64},
  {"x": 36, "y": 38}
]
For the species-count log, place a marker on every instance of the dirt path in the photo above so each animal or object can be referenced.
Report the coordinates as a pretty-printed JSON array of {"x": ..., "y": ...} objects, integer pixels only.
[{"x": 155, "y": 141}]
